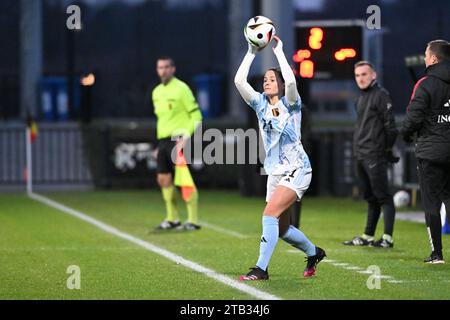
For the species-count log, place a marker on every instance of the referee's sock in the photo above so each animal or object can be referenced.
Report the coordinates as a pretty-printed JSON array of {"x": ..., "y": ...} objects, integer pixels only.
[
  {"x": 298, "y": 239},
  {"x": 269, "y": 241},
  {"x": 192, "y": 207},
  {"x": 171, "y": 208}
]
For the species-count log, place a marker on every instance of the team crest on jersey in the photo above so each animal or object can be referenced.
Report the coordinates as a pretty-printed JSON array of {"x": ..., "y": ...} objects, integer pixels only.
[{"x": 275, "y": 112}]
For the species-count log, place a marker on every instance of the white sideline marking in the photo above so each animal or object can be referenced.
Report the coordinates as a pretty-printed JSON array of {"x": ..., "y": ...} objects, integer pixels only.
[
  {"x": 382, "y": 276},
  {"x": 151, "y": 247},
  {"x": 353, "y": 268},
  {"x": 348, "y": 266},
  {"x": 223, "y": 230},
  {"x": 365, "y": 272},
  {"x": 340, "y": 264},
  {"x": 328, "y": 260},
  {"x": 395, "y": 281}
]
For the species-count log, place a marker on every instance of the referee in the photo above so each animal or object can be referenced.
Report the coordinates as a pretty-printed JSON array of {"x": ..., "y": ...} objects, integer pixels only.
[
  {"x": 375, "y": 134},
  {"x": 428, "y": 117},
  {"x": 177, "y": 115}
]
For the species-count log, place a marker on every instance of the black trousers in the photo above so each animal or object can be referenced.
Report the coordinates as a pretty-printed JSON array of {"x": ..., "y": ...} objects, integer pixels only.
[
  {"x": 434, "y": 180},
  {"x": 373, "y": 178}
]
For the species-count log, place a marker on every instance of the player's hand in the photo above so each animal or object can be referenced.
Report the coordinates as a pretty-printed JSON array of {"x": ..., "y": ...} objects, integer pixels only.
[
  {"x": 253, "y": 49},
  {"x": 408, "y": 138},
  {"x": 279, "y": 45}
]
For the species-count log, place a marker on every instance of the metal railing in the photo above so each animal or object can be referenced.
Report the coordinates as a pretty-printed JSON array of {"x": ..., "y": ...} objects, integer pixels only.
[
  {"x": 58, "y": 155},
  {"x": 64, "y": 154}
]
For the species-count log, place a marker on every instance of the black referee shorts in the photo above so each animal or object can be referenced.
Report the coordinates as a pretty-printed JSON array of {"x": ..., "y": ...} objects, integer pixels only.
[
  {"x": 373, "y": 178},
  {"x": 434, "y": 179},
  {"x": 166, "y": 156}
]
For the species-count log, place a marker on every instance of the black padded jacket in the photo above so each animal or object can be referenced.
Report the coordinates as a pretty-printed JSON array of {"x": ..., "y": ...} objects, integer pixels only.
[
  {"x": 375, "y": 131},
  {"x": 428, "y": 114}
]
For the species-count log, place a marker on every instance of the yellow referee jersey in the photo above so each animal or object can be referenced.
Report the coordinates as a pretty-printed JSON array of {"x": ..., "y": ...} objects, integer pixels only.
[{"x": 175, "y": 108}]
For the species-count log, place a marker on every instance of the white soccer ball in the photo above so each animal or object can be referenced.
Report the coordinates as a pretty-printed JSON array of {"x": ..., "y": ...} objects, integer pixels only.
[
  {"x": 259, "y": 31},
  {"x": 401, "y": 199}
]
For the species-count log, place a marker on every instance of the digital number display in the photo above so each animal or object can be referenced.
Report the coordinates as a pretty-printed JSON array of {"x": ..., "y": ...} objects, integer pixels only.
[{"x": 327, "y": 52}]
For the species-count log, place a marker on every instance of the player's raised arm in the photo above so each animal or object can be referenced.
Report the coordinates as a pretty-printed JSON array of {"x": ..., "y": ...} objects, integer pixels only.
[
  {"x": 291, "y": 93},
  {"x": 240, "y": 79}
]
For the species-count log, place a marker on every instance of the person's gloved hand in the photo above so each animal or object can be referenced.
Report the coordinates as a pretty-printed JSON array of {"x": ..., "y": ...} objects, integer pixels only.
[
  {"x": 391, "y": 157},
  {"x": 408, "y": 138}
]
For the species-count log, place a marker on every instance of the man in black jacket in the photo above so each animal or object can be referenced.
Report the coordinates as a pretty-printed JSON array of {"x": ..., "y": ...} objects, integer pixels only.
[
  {"x": 374, "y": 136},
  {"x": 428, "y": 116}
]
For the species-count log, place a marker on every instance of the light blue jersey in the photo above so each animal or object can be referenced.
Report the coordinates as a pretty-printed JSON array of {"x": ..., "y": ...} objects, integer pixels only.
[{"x": 280, "y": 127}]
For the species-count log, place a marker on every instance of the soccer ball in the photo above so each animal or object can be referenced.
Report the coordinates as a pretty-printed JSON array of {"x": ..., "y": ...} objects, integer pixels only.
[
  {"x": 401, "y": 199},
  {"x": 259, "y": 31}
]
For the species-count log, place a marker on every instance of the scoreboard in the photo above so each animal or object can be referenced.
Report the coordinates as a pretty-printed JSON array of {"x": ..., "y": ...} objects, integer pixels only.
[{"x": 327, "y": 51}]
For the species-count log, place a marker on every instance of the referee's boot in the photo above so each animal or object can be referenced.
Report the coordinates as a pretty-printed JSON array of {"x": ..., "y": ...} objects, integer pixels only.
[
  {"x": 168, "y": 225},
  {"x": 189, "y": 226}
]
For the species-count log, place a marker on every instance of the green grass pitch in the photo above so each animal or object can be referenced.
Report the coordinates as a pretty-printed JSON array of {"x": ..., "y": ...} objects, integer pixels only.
[{"x": 38, "y": 243}]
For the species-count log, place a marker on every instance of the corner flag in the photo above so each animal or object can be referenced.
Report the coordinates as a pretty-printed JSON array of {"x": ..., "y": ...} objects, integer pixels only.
[
  {"x": 31, "y": 133},
  {"x": 33, "y": 129},
  {"x": 183, "y": 177}
]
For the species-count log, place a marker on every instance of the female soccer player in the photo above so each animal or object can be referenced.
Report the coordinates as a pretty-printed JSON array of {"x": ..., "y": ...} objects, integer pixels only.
[{"x": 278, "y": 110}]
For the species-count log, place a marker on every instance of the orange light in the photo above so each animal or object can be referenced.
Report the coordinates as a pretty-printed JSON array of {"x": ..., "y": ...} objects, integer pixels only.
[
  {"x": 302, "y": 55},
  {"x": 88, "y": 80},
  {"x": 345, "y": 53},
  {"x": 315, "y": 38},
  {"x": 307, "y": 69},
  {"x": 339, "y": 55}
]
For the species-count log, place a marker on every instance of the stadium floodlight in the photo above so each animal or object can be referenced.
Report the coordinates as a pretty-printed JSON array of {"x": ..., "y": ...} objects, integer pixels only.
[{"x": 88, "y": 80}]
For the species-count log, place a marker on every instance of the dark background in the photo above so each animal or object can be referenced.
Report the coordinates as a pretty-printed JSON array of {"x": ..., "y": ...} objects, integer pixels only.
[{"x": 120, "y": 42}]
